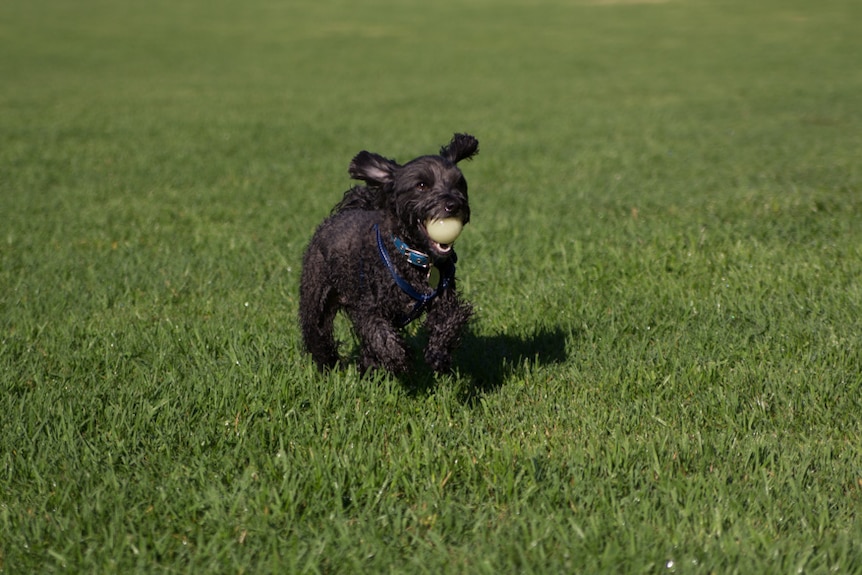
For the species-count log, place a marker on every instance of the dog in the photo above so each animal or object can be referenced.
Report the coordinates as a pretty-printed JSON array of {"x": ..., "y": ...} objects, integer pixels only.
[{"x": 373, "y": 259}]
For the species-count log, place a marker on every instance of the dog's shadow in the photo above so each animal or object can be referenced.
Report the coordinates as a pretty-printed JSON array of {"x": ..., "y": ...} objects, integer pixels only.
[{"x": 488, "y": 361}]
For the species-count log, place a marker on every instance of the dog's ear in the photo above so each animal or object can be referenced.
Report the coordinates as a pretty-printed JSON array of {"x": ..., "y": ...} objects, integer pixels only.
[
  {"x": 462, "y": 147},
  {"x": 373, "y": 169}
]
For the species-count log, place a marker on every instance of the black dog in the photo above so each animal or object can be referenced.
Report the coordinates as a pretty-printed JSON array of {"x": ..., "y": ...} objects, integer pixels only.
[{"x": 373, "y": 258}]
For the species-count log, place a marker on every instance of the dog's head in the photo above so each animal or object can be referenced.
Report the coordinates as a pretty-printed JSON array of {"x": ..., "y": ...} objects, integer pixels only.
[{"x": 427, "y": 188}]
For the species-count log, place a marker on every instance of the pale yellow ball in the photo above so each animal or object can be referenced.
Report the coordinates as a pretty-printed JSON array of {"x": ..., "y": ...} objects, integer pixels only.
[{"x": 444, "y": 231}]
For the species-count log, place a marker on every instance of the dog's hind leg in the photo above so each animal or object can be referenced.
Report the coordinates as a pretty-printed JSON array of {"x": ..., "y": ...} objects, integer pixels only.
[
  {"x": 318, "y": 305},
  {"x": 319, "y": 338}
]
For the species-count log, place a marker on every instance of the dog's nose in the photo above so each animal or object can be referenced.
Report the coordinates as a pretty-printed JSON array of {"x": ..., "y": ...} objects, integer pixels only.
[{"x": 453, "y": 205}]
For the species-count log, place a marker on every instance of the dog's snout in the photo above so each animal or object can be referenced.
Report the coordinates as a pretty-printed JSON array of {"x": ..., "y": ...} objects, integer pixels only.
[{"x": 453, "y": 204}]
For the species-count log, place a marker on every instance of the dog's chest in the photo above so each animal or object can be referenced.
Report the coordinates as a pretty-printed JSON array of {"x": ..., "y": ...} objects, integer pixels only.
[{"x": 419, "y": 298}]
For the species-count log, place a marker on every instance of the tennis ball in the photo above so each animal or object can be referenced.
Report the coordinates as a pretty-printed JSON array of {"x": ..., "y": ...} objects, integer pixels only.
[{"x": 444, "y": 231}]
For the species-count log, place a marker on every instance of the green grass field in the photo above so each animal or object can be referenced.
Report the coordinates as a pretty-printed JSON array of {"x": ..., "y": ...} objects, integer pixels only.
[{"x": 664, "y": 374}]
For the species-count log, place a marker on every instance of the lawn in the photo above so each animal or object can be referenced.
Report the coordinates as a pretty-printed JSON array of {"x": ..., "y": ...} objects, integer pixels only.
[{"x": 664, "y": 373}]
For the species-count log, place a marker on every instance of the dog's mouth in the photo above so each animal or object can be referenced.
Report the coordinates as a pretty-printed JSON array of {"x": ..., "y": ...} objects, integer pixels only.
[
  {"x": 438, "y": 248},
  {"x": 442, "y": 233},
  {"x": 442, "y": 248}
]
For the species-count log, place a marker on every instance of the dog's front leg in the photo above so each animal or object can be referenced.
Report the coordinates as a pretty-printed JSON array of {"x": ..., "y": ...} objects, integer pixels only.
[
  {"x": 445, "y": 324},
  {"x": 381, "y": 346}
]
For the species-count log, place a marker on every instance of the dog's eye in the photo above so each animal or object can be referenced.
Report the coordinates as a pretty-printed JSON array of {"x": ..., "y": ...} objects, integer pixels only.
[{"x": 421, "y": 186}]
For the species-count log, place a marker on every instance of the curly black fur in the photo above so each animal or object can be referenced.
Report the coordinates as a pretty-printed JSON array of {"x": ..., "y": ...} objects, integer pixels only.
[{"x": 342, "y": 268}]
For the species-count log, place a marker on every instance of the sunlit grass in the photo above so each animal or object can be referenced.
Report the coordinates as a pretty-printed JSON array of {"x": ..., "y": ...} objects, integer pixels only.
[{"x": 663, "y": 374}]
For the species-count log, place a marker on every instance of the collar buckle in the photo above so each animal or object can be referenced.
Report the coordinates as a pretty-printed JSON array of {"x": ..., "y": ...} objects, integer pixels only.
[{"x": 415, "y": 257}]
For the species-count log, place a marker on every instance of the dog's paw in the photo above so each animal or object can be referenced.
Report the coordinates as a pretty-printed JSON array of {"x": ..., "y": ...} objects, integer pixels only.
[
  {"x": 439, "y": 361},
  {"x": 395, "y": 360}
]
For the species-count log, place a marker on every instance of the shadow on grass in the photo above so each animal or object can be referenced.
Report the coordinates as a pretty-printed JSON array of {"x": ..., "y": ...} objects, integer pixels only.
[
  {"x": 490, "y": 360},
  {"x": 487, "y": 361}
]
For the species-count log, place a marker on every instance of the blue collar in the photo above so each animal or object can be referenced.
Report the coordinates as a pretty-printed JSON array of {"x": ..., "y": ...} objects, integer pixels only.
[
  {"x": 447, "y": 275},
  {"x": 414, "y": 257}
]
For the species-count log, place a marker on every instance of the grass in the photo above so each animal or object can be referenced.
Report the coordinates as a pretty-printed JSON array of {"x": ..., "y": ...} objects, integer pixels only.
[{"x": 664, "y": 374}]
